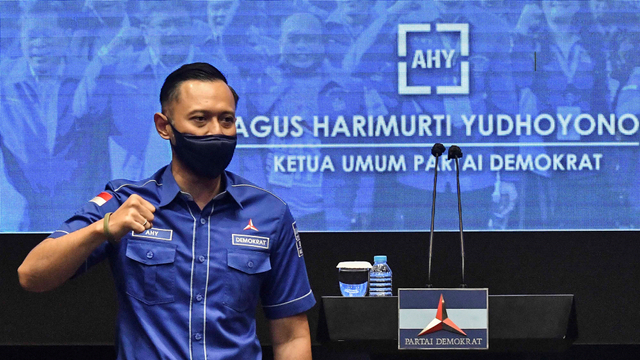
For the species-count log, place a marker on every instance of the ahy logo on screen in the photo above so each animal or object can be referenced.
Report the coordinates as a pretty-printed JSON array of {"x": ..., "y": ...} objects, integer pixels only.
[{"x": 433, "y": 59}]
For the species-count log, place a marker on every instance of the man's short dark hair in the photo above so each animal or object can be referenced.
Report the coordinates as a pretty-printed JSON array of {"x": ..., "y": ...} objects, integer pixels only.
[{"x": 197, "y": 71}]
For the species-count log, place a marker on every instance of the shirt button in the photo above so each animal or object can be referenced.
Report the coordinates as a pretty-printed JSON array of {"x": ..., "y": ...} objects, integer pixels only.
[
  {"x": 199, "y": 297},
  {"x": 203, "y": 221},
  {"x": 197, "y": 336},
  {"x": 250, "y": 264},
  {"x": 150, "y": 255},
  {"x": 201, "y": 258}
]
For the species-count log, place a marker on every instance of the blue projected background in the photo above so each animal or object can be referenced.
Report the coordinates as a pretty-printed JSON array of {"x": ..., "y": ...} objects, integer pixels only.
[{"x": 340, "y": 103}]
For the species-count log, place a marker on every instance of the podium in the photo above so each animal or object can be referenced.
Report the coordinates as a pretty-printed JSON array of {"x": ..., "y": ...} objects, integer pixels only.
[{"x": 521, "y": 323}]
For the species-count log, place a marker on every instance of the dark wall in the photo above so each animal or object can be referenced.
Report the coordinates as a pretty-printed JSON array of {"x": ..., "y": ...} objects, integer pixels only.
[{"x": 600, "y": 268}]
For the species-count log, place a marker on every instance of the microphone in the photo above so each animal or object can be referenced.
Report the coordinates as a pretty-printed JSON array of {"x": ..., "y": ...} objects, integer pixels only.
[
  {"x": 437, "y": 150},
  {"x": 455, "y": 153}
]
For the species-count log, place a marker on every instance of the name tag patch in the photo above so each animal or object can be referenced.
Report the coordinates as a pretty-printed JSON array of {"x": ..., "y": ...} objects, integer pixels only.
[
  {"x": 156, "y": 234},
  {"x": 250, "y": 240}
]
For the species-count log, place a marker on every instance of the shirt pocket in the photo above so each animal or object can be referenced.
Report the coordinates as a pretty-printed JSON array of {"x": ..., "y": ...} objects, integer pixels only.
[
  {"x": 151, "y": 272},
  {"x": 245, "y": 272}
]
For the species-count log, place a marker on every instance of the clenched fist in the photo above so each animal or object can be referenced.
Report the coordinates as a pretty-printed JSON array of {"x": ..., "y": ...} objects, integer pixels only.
[{"x": 134, "y": 214}]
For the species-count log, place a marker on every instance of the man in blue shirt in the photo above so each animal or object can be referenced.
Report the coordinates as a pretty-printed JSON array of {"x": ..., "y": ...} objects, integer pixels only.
[{"x": 193, "y": 247}]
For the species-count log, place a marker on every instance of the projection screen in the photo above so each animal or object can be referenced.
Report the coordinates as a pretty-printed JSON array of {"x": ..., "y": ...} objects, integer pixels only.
[{"x": 340, "y": 105}]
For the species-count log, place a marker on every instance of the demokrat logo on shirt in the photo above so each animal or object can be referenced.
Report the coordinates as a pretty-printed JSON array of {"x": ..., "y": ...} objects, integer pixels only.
[{"x": 250, "y": 241}]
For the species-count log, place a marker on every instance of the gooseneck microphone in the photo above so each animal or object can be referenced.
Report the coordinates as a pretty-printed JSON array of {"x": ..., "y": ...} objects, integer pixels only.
[
  {"x": 437, "y": 150},
  {"x": 455, "y": 153}
]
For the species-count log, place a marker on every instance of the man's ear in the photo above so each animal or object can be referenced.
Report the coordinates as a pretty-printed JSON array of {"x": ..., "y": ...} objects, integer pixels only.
[{"x": 162, "y": 125}]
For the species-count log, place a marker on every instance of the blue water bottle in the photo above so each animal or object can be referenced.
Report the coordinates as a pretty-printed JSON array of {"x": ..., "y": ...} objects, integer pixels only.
[{"x": 380, "y": 277}]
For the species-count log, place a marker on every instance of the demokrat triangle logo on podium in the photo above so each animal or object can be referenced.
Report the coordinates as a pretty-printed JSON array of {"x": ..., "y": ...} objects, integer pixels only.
[{"x": 443, "y": 319}]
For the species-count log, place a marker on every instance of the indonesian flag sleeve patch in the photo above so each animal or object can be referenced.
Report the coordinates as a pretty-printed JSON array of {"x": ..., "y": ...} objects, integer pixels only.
[{"x": 102, "y": 198}]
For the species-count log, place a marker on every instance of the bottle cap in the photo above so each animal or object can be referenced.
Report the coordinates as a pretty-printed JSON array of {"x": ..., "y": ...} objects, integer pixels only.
[
  {"x": 354, "y": 265},
  {"x": 380, "y": 258}
]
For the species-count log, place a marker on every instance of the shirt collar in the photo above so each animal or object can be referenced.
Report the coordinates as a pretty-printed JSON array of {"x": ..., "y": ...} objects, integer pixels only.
[
  {"x": 232, "y": 190},
  {"x": 170, "y": 188}
]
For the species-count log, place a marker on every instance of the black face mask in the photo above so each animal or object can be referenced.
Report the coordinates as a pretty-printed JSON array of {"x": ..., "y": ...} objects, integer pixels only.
[{"x": 207, "y": 155}]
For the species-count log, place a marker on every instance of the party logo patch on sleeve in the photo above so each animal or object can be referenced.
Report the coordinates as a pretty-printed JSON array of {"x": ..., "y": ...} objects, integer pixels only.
[
  {"x": 101, "y": 198},
  {"x": 298, "y": 242},
  {"x": 250, "y": 240}
]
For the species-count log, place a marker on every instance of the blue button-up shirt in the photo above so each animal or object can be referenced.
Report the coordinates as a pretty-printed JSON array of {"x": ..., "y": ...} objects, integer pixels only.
[{"x": 188, "y": 287}]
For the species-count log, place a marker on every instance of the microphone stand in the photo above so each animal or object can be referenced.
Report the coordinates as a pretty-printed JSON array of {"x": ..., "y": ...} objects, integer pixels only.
[
  {"x": 455, "y": 153},
  {"x": 437, "y": 150}
]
